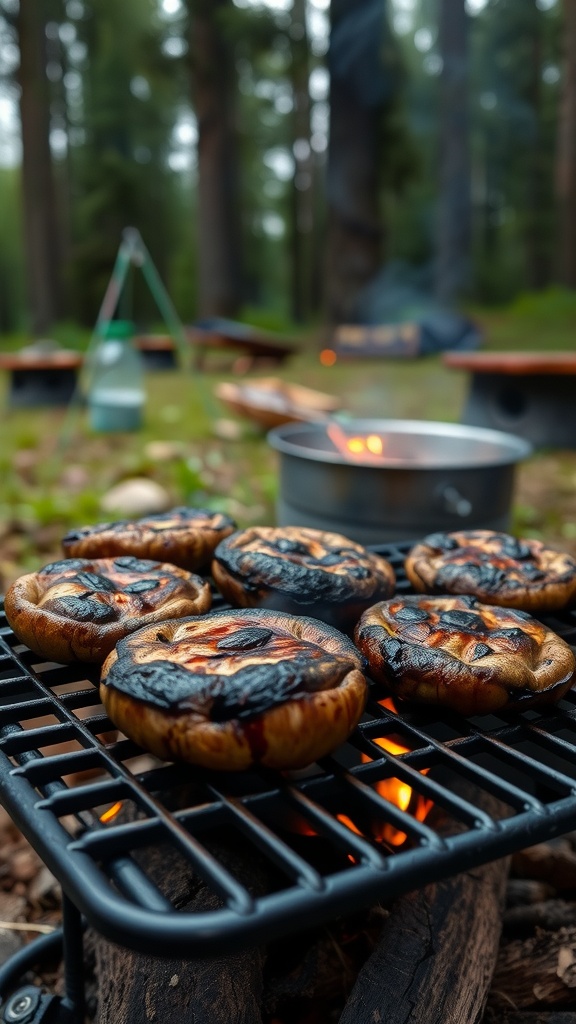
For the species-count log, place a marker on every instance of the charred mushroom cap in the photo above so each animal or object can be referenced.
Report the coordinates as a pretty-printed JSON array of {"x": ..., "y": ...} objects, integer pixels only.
[
  {"x": 470, "y": 657},
  {"x": 494, "y": 567},
  {"x": 77, "y": 609},
  {"x": 184, "y": 536},
  {"x": 233, "y": 689},
  {"x": 301, "y": 571}
]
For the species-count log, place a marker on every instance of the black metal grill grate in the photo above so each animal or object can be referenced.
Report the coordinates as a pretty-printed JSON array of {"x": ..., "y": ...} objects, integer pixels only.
[{"x": 329, "y": 837}]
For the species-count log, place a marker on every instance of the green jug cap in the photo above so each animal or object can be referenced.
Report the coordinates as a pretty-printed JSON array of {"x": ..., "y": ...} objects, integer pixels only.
[{"x": 118, "y": 329}]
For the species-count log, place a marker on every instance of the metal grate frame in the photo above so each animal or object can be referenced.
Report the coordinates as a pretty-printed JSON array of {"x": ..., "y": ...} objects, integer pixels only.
[{"x": 328, "y": 837}]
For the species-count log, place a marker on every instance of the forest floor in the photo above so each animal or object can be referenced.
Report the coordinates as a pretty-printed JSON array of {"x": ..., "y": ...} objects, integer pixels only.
[{"x": 55, "y": 471}]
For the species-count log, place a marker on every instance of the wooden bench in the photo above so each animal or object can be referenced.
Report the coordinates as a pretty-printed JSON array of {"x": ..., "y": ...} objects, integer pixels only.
[
  {"x": 39, "y": 379},
  {"x": 531, "y": 394},
  {"x": 158, "y": 351},
  {"x": 249, "y": 347}
]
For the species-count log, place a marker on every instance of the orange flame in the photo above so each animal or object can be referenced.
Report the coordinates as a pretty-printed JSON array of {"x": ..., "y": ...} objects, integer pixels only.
[
  {"x": 395, "y": 791},
  {"x": 400, "y": 794},
  {"x": 111, "y": 812},
  {"x": 357, "y": 448}
]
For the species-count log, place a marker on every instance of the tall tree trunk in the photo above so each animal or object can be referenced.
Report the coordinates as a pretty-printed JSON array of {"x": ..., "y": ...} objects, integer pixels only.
[
  {"x": 453, "y": 245},
  {"x": 214, "y": 87},
  {"x": 537, "y": 200},
  {"x": 302, "y": 207},
  {"x": 354, "y": 229},
  {"x": 41, "y": 244},
  {"x": 566, "y": 159}
]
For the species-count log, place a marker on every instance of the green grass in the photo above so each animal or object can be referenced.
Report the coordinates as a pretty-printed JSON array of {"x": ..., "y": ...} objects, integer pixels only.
[{"x": 55, "y": 471}]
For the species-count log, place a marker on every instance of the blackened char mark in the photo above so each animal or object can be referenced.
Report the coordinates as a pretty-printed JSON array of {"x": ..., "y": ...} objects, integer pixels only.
[
  {"x": 409, "y": 613},
  {"x": 129, "y": 564},
  {"x": 484, "y": 576},
  {"x": 141, "y": 586},
  {"x": 441, "y": 542},
  {"x": 84, "y": 608},
  {"x": 513, "y": 548},
  {"x": 247, "y": 639},
  {"x": 461, "y": 620},
  {"x": 251, "y": 691},
  {"x": 480, "y": 651},
  {"x": 95, "y": 583},
  {"x": 62, "y": 566}
]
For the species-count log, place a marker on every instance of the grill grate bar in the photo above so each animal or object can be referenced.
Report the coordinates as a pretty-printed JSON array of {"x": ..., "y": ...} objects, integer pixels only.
[
  {"x": 324, "y": 823},
  {"x": 388, "y": 812},
  {"x": 448, "y": 755},
  {"x": 265, "y": 839},
  {"x": 321, "y": 832}
]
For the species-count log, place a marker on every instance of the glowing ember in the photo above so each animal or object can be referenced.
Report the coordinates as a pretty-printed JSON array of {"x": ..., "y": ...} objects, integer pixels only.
[
  {"x": 111, "y": 812},
  {"x": 327, "y": 357},
  {"x": 400, "y": 794},
  {"x": 359, "y": 448}
]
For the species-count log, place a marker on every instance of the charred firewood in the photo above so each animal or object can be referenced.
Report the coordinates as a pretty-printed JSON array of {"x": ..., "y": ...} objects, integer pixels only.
[
  {"x": 550, "y": 916},
  {"x": 554, "y": 863},
  {"x": 521, "y": 892},
  {"x": 135, "y": 988},
  {"x": 437, "y": 950},
  {"x": 539, "y": 972},
  {"x": 523, "y": 1017}
]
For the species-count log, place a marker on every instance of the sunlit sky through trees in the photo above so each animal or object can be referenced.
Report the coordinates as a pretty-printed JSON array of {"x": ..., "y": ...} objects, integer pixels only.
[
  {"x": 405, "y": 18},
  {"x": 182, "y": 156}
]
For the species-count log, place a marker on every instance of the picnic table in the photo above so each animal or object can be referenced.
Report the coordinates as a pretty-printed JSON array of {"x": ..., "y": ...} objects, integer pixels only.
[
  {"x": 39, "y": 377},
  {"x": 158, "y": 351},
  {"x": 249, "y": 346},
  {"x": 530, "y": 394}
]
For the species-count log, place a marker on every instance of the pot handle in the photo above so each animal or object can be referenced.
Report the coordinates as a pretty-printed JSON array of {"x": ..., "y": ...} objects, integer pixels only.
[{"x": 454, "y": 502}]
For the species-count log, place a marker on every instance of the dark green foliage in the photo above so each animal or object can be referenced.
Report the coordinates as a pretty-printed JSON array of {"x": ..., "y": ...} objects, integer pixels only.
[
  {"x": 120, "y": 82},
  {"x": 11, "y": 255},
  {"x": 120, "y": 171}
]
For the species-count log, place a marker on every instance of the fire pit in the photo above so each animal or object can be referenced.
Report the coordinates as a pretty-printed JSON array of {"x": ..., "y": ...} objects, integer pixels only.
[
  {"x": 386, "y": 813},
  {"x": 383, "y": 480}
]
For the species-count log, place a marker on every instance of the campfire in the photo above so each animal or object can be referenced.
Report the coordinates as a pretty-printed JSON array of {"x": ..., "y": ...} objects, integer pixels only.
[
  {"x": 384, "y": 480},
  {"x": 201, "y": 864}
]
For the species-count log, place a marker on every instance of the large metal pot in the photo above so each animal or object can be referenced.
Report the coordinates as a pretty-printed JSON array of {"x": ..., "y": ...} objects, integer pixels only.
[{"x": 433, "y": 476}]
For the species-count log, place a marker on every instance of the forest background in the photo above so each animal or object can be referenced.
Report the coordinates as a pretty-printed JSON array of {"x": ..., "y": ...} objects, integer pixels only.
[
  {"x": 290, "y": 163},
  {"x": 275, "y": 156}
]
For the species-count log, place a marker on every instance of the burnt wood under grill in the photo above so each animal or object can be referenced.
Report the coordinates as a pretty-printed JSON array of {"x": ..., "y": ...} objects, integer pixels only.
[{"x": 297, "y": 826}]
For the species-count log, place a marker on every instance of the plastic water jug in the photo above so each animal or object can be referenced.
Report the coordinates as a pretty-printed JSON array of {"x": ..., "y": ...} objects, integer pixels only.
[{"x": 116, "y": 395}]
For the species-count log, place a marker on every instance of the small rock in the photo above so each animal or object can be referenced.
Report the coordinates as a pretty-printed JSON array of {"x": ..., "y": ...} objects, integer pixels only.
[
  {"x": 24, "y": 865},
  {"x": 12, "y": 908},
  {"x": 74, "y": 478},
  {"x": 164, "y": 451},
  {"x": 227, "y": 430},
  {"x": 136, "y": 497},
  {"x": 41, "y": 886}
]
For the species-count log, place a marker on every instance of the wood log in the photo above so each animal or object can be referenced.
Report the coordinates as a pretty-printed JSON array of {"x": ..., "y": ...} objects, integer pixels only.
[
  {"x": 554, "y": 863},
  {"x": 550, "y": 915},
  {"x": 435, "y": 958},
  {"x": 437, "y": 951},
  {"x": 536, "y": 972},
  {"x": 139, "y": 989},
  {"x": 521, "y": 892},
  {"x": 523, "y": 1017},
  {"x": 415, "y": 975}
]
